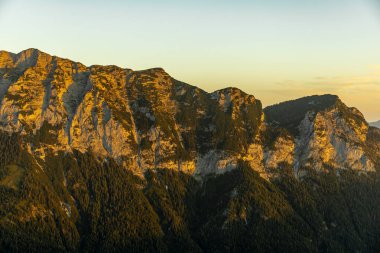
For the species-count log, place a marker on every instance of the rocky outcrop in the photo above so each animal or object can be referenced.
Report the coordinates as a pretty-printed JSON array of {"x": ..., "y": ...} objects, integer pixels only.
[{"x": 326, "y": 135}]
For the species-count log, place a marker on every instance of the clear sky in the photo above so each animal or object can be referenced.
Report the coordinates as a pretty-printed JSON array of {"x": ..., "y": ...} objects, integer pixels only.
[{"x": 274, "y": 49}]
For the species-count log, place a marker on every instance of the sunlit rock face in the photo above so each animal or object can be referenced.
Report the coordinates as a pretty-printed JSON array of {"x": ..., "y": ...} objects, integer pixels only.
[
  {"x": 326, "y": 133},
  {"x": 142, "y": 119},
  {"x": 147, "y": 120}
]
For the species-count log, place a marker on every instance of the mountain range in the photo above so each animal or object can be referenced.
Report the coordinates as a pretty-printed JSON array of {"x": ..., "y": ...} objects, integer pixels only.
[
  {"x": 375, "y": 124},
  {"x": 108, "y": 159}
]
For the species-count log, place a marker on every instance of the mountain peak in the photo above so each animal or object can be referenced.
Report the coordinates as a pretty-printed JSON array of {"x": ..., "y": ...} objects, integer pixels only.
[
  {"x": 291, "y": 113},
  {"x": 32, "y": 54},
  {"x": 314, "y": 101},
  {"x": 232, "y": 93},
  {"x": 24, "y": 59},
  {"x": 31, "y": 51}
]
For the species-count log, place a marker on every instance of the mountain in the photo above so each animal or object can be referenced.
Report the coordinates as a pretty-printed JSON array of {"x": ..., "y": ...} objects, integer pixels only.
[
  {"x": 375, "y": 124},
  {"x": 143, "y": 119},
  {"x": 324, "y": 132},
  {"x": 147, "y": 119},
  {"x": 106, "y": 159}
]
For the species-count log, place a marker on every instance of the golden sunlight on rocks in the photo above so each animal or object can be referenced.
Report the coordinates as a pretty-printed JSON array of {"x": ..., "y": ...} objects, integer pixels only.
[{"x": 148, "y": 120}]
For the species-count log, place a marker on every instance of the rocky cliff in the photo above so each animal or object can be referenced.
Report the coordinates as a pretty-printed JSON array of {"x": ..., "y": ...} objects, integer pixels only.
[
  {"x": 147, "y": 120},
  {"x": 323, "y": 133},
  {"x": 142, "y": 119}
]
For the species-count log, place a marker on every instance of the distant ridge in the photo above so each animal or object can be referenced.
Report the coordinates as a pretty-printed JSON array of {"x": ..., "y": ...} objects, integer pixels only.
[{"x": 375, "y": 124}]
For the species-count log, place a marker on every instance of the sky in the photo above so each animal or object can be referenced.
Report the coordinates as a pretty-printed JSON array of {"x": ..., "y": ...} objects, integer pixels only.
[{"x": 275, "y": 50}]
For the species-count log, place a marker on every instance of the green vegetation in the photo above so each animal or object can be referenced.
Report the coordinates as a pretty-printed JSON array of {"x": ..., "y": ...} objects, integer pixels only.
[
  {"x": 75, "y": 202},
  {"x": 11, "y": 176},
  {"x": 372, "y": 147},
  {"x": 289, "y": 114}
]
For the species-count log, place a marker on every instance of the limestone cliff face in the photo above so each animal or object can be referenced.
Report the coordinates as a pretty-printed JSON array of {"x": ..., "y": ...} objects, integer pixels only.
[
  {"x": 323, "y": 134},
  {"x": 146, "y": 120},
  {"x": 143, "y": 119}
]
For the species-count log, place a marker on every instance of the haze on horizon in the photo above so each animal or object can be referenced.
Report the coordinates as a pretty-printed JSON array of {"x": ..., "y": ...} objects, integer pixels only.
[{"x": 275, "y": 50}]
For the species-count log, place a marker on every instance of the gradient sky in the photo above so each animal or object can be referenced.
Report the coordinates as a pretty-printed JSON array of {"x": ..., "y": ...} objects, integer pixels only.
[{"x": 275, "y": 50}]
